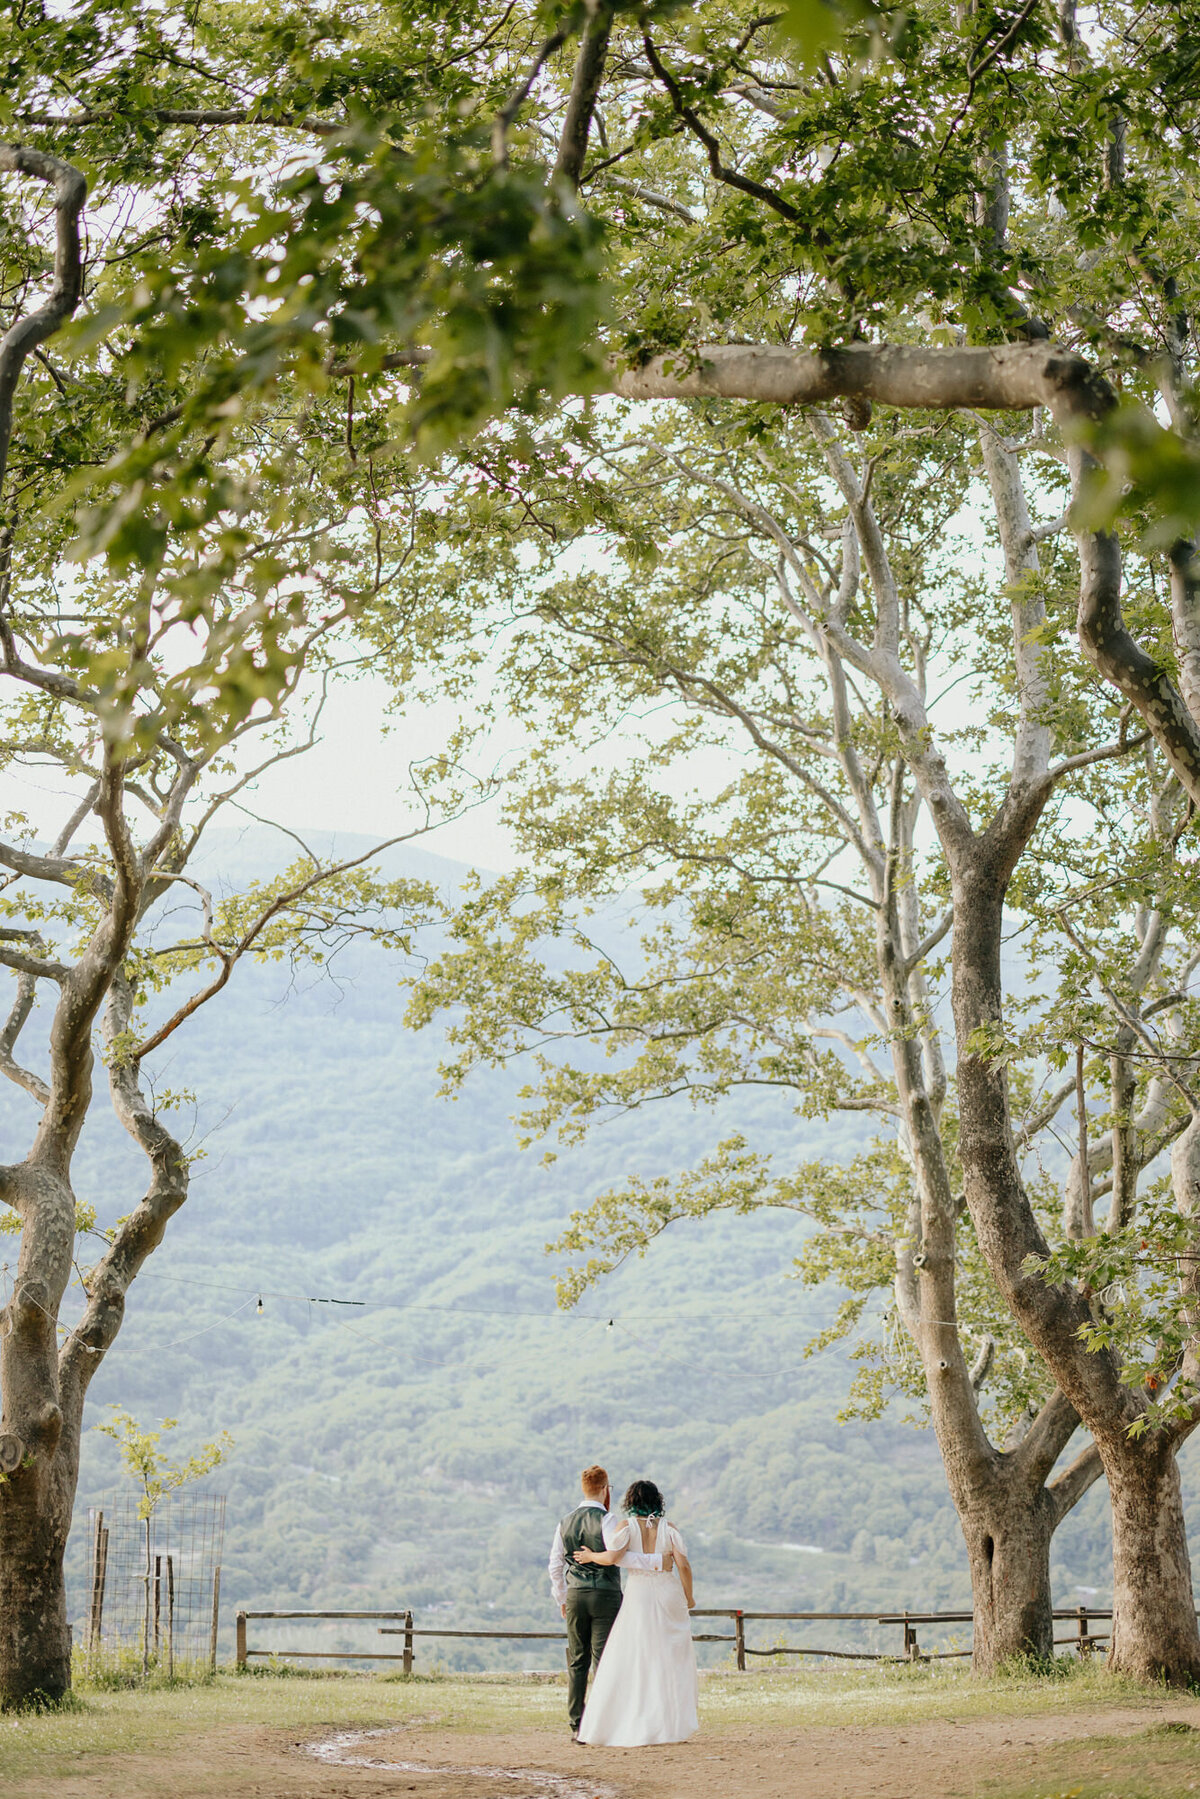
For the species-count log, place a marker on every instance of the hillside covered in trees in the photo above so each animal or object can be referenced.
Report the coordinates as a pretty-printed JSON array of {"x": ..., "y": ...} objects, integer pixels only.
[{"x": 415, "y": 1447}]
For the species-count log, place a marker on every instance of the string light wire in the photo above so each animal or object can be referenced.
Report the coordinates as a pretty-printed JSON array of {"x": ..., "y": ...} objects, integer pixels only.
[{"x": 405, "y": 1305}]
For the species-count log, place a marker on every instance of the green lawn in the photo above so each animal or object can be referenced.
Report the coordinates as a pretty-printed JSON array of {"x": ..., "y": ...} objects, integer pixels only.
[
  {"x": 1162, "y": 1762},
  {"x": 121, "y": 1723}
]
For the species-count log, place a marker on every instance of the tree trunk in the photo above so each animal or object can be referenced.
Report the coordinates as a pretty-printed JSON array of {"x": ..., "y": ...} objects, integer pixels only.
[
  {"x": 1008, "y": 1545},
  {"x": 1007, "y": 1513},
  {"x": 35, "y": 1636},
  {"x": 39, "y": 1452},
  {"x": 1154, "y": 1635}
]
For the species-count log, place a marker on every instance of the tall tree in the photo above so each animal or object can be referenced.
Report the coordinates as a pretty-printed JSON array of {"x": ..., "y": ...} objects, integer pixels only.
[
  {"x": 199, "y": 491},
  {"x": 796, "y": 910},
  {"x": 991, "y": 215}
]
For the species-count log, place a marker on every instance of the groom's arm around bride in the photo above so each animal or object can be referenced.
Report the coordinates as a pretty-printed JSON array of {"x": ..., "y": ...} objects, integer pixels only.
[{"x": 588, "y": 1596}]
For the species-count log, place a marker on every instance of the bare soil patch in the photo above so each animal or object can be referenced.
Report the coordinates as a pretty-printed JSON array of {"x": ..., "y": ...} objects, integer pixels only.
[{"x": 940, "y": 1759}]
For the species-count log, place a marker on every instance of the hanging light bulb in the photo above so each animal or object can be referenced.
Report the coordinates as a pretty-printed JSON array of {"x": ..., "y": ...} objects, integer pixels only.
[{"x": 259, "y": 1307}]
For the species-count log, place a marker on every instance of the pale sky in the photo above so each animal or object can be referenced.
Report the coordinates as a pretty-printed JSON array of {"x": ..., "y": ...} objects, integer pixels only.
[{"x": 354, "y": 781}]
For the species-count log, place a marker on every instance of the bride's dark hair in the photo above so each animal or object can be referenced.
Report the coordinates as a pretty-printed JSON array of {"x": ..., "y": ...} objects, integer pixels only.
[{"x": 643, "y": 1500}]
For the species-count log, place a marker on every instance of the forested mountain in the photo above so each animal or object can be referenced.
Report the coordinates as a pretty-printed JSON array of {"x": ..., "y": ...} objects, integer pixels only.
[{"x": 415, "y": 1447}]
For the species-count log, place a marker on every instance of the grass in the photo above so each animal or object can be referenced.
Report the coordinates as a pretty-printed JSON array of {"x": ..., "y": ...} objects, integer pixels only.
[
  {"x": 1162, "y": 1762},
  {"x": 114, "y": 1723}
]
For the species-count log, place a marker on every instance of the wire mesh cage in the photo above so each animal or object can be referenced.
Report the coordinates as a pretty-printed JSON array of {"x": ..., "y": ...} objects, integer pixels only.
[{"x": 154, "y": 1584}]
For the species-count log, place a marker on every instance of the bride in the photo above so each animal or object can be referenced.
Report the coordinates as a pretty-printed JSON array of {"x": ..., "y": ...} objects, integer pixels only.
[{"x": 645, "y": 1688}]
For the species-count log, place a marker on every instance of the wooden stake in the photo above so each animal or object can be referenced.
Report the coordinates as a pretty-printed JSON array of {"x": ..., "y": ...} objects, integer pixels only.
[
  {"x": 1088, "y": 1224},
  {"x": 170, "y": 1617},
  {"x": 1085, "y": 1641},
  {"x": 216, "y": 1613},
  {"x": 94, "y": 1608},
  {"x": 146, "y": 1578},
  {"x": 102, "y": 1579},
  {"x": 408, "y": 1642}
]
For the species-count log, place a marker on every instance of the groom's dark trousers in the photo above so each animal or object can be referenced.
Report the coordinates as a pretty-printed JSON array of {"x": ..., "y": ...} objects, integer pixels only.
[
  {"x": 593, "y": 1601},
  {"x": 590, "y": 1614}
]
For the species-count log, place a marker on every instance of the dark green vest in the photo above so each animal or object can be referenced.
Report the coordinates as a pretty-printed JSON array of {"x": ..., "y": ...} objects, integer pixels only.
[{"x": 581, "y": 1530}]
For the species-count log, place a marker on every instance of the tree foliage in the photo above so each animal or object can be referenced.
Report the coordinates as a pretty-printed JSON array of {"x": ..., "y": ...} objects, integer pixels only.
[{"x": 150, "y": 1467}]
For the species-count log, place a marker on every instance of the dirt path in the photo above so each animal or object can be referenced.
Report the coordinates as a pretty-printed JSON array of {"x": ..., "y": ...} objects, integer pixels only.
[
  {"x": 942, "y": 1759},
  {"x": 846, "y": 1762}
]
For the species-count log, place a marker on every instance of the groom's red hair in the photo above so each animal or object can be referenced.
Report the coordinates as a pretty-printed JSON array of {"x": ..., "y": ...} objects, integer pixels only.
[{"x": 593, "y": 1480}]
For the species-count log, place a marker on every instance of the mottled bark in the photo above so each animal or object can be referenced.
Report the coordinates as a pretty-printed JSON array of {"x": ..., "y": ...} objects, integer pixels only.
[
  {"x": 1008, "y": 1529},
  {"x": 1154, "y": 1620},
  {"x": 1154, "y": 1636},
  {"x": 66, "y": 288},
  {"x": 35, "y": 1634},
  {"x": 43, "y": 1387},
  {"x": 1007, "y": 1511},
  {"x": 1003, "y": 377},
  {"x": 35, "y": 1649}
]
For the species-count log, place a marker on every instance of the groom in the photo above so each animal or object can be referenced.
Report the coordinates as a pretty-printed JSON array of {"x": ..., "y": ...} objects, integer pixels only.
[{"x": 588, "y": 1597}]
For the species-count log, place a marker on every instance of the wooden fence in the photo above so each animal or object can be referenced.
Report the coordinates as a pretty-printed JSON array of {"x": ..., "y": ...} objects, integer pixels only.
[{"x": 400, "y": 1624}]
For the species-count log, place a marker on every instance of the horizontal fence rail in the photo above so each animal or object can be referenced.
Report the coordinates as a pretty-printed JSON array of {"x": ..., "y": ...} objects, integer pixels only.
[{"x": 400, "y": 1624}]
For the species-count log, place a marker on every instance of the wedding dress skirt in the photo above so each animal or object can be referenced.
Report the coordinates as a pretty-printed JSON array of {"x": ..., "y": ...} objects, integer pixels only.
[{"x": 645, "y": 1688}]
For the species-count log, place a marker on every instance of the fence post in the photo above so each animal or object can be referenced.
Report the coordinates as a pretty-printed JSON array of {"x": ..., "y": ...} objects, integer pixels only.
[
  {"x": 170, "y": 1617},
  {"x": 912, "y": 1649},
  {"x": 97, "y": 1585},
  {"x": 158, "y": 1573},
  {"x": 216, "y": 1618},
  {"x": 408, "y": 1642},
  {"x": 1085, "y": 1641},
  {"x": 739, "y": 1640},
  {"x": 103, "y": 1585}
]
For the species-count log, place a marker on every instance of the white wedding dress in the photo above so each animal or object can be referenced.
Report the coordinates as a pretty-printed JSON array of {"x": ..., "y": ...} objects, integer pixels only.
[{"x": 645, "y": 1689}]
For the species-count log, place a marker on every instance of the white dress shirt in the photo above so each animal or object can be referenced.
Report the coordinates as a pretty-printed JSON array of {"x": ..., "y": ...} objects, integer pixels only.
[{"x": 610, "y": 1524}]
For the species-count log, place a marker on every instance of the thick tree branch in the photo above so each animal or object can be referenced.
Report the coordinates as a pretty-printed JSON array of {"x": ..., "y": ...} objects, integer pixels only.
[
  {"x": 1005, "y": 377},
  {"x": 173, "y": 115},
  {"x": 982, "y": 1365},
  {"x": 1001, "y": 378},
  {"x": 1104, "y": 753},
  {"x": 712, "y": 148},
  {"x": 1031, "y": 743},
  {"x": 1069, "y": 1487},
  {"x": 585, "y": 86},
  {"x": 31, "y": 964},
  {"x": 930, "y": 941},
  {"x": 649, "y": 196},
  {"x": 64, "y": 871},
  {"x": 1048, "y": 1435},
  {"x": 27, "y": 981},
  {"x": 70, "y": 192},
  {"x": 142, "y": 1231},
  {"x": 86, "y": 985}
]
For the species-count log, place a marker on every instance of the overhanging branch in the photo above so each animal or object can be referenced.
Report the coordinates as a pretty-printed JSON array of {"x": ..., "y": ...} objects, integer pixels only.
[{"x": 1000, "y": 378}]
